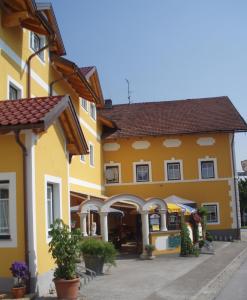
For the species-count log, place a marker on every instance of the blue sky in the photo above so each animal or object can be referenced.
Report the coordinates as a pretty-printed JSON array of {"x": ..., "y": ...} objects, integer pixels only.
[{"x": 168, "y": 49}]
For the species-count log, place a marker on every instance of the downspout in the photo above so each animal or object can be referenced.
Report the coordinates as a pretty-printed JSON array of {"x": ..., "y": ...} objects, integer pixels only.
[
  {"x": 235, "y": 187},
  {"x": 24, "y": 155},
  {"x": 29, "y": 64}
]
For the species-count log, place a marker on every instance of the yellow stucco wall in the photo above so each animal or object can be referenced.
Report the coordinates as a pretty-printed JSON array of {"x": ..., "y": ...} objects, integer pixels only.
[
  {"x": 51, "y": 160},
  {"x": 11, "y": 161},
  {"x": 200, "y": 191}
]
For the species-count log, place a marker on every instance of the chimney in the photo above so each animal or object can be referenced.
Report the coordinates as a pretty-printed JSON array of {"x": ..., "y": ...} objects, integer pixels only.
[{"x": 108, "y": 103}]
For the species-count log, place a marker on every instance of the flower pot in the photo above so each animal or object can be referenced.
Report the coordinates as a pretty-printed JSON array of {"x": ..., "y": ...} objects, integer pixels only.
[
  {"x": 67, "y": 289},
  {"x": 18, "y": 292},
  {"x": 94, "y": 263}
]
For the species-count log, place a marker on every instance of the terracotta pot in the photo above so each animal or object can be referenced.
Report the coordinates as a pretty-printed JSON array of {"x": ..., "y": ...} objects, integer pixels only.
[
  {"x": 18, "y": 292},
  {"x": 67, "y": 289}
]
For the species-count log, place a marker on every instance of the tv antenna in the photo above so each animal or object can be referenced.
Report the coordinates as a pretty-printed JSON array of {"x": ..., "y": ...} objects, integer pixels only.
[{"x": 129, "y": 92}]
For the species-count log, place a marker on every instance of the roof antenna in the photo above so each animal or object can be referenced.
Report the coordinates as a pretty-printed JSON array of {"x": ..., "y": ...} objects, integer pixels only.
[{"x": 129, "y": 92}]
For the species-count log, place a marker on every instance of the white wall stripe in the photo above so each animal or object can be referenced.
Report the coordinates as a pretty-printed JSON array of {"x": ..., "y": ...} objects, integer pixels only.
[
  {"x": 89, "y": 128},
  {"x": 86, "y": 184}
]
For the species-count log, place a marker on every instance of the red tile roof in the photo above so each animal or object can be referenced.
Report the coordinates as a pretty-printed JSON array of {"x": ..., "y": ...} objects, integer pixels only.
[
  {"x": 26, "y": 111},
  {"x": 173, "y": 117}
]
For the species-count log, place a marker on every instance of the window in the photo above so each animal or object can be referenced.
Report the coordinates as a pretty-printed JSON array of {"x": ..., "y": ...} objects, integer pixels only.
[
  {"x": 84, "y": 104},
  {"x": 53, "y": 200},
  {"x": 207, "y": 169},
  {"x": 91, "y": 155},
  {"x": 93, "y": 111},
  {"x": 36, "y": 43},
  {"x": 4, "y": 210},
  {"x": 112, "y": 174},
  {"x": 14, "y": 92},
  {"x": 142, "y": 173},
  {"x": 213, "y": 213},
  {"x": 173, "y": 171},
  {"x": 82, "y": 158}
]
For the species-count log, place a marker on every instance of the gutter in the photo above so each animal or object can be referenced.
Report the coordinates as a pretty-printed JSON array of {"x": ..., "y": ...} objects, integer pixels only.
[
  {"x": 60, "y": 79},
  {"x": 235, "y": 187},
  {"x": 24, "y": 170}
]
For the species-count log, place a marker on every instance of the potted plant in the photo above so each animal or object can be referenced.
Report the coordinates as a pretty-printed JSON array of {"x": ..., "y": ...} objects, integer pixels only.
[
  {"x": 64, "y": 247},
  {"x": 20, "y": 273},
  {"x": 150, "y": 248},
  {"x": 96, "y": 253}
]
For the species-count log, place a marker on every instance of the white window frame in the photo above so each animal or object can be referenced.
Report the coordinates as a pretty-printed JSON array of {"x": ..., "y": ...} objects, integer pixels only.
[
  {"x": 180, "y": 161},
  {"x": 83, "y": 161},
  {"x": 82, "y": 100},
  {"x": 150, "y": 171},
  {"x": 119, "y": 173},
  {"x": 218, "y": 212},
  {"x": 12, "y": 82},
  {"x": 57, "y": 182},
  {"x": 91, "y": 145},
  {"x": 91, "y": 104},
  {"x": 43, "y": 44},
  {"x": 12, "y": 242},
  {"x": 200, "y": 160}
]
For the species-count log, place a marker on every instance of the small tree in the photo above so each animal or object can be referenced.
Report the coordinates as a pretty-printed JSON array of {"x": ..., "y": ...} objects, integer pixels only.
[
  {"x": 203, "y": 212},
  {"x": 64, "y": 247},
  {"x": 242, "y": 186},
  {"x": 186, "y": 243}
]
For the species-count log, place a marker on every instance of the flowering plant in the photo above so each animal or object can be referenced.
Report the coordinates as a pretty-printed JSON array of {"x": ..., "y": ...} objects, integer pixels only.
[{"x": 19, "y": 271}]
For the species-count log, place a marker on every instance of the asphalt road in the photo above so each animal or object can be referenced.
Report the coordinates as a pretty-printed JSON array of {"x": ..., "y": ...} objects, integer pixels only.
[{"x": 236, "y": 288}]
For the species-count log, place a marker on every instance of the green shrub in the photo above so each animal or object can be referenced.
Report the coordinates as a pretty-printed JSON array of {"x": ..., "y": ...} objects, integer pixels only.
[
  {"x": 186, "y": 243},
  {"x": 149, "y": 248},
  {"x": 209, "y": 237},
  {"x": 202, "y": 211},
  {"x": 91, "y": 246},
  {"x": 201, "y": 243},
  {"x": 64, "y": 247}
]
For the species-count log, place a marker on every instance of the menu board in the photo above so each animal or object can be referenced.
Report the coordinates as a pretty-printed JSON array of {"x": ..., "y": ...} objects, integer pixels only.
[{"x": 154, "y": 222}]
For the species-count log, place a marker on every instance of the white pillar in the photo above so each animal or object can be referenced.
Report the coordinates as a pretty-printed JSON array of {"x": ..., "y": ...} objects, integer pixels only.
[
  {"x": 83, "y": 224},
  {"x": 104, "y": 226},
  {"x": 145, "y": 228},
  {"x": 163, "y": 226}
]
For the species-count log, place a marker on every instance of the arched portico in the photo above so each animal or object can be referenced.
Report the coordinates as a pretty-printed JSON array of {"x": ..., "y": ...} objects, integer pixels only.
[{"x": 162, "y": 205}]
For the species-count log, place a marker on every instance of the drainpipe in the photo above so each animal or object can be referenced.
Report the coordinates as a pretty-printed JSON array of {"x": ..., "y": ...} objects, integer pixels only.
[
  {"x": 60, "y": 79},
  {"x": 235, "y": 187},
  {"x": 24, "y": 156},
  {"x": 29, "y": 64}
]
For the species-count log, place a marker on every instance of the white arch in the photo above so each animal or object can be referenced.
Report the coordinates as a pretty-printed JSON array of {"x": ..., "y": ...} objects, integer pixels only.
[
  {"x": 86, "y": 205},
  {"x": 121, "y": 198},
  {"x": 155, "y": 201}
]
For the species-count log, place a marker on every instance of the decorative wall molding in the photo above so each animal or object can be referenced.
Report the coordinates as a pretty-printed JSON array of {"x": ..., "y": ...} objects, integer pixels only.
[
  {"x": 111, "y": 147},
  {"x": 141, "y": 145},
  {"x": 205, "y": 141},
  {"x": 172, "y": 143}
]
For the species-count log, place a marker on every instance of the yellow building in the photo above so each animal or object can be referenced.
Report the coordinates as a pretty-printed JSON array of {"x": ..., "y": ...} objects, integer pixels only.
[{"x": 75, "y": 150}]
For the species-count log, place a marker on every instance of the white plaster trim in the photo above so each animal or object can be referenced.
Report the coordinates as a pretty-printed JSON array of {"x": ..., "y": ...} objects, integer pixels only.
[
  {"x": 16, "y": 84},
  {"x": 12, "y": 243},
  {"x": 205, "y": 141},
  {"x": 218, "y": 211},
  {"x": 111, "y": 147},
  {"x": 180, "y": 161},
  {"x": 31, "y": 200},
  {"x": 58, "y": 181},
  {"x": 134, "y": 171},
  {"x": 215, "y": 167},
  {"x": 138, "y": 145},
  {"x": 172, "y": 181},
  {"x": 22, "y": 64},
  {"x": 172, "y": 143},
  {"x": 89, "y": 128},
  {"x": 119, "y": 171},
  {"x": 86, "y": 184}
]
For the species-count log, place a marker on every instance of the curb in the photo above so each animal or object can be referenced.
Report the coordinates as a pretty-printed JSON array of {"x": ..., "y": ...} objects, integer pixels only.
[{"x": 212, "y": 289}]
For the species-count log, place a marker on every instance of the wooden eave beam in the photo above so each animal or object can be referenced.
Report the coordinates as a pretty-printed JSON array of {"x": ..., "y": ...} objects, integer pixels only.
[{"x": 14, "y": 19}]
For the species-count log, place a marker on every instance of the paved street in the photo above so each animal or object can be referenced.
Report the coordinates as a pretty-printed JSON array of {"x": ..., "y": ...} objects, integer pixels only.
[{"x": 236, "y": 288}]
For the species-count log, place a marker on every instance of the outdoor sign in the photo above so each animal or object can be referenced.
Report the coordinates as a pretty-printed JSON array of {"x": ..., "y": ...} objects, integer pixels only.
[
  {"x": 154, "y": 221},
  {"x": 244, "y": 165},
  {"x": 174, "y": 241}
]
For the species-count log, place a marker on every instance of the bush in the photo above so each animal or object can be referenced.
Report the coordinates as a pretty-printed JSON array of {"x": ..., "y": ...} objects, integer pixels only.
[
  {"x": 186, "y": 243},
  {"x": 209, "y": 237},
  {"x": 106, "y": 250},
  {"x": 64, "y": 247},
  {"x": 202, "y": 211},
  {"x": 149, "y": 248},
  {"x": 201, "y": 243}
]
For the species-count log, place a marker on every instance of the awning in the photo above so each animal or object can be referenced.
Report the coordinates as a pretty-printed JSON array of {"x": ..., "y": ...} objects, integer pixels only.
[
  {"x": 173, "y": 208},
  {"x": 178, "y": 200}
]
